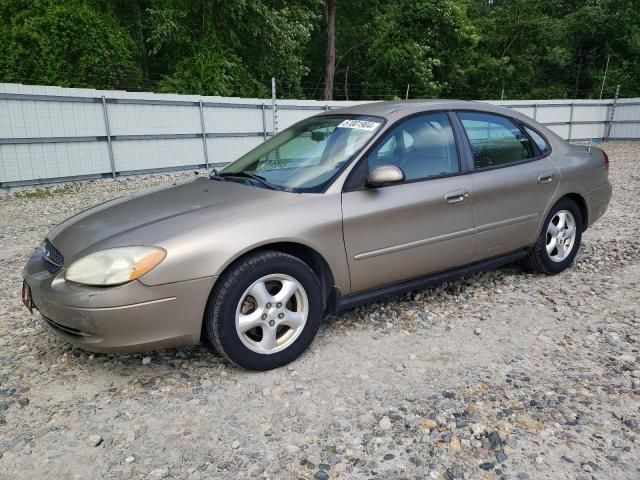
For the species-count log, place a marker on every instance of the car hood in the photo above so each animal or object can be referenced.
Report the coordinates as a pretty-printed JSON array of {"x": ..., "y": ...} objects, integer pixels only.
[{"x": 147, "y": 218}]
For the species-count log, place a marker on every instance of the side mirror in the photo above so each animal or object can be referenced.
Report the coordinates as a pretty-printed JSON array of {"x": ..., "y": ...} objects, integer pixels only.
[{"x": 385, "y": 175}]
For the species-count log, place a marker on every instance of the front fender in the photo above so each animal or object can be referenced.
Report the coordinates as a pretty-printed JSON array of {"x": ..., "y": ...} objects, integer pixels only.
[{"x": 312, "y": 220}]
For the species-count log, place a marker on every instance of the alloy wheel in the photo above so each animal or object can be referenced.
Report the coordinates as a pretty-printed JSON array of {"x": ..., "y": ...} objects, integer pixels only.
[
  {"x": 561, "y": 235},
  {"x": 272, "y": 313}
]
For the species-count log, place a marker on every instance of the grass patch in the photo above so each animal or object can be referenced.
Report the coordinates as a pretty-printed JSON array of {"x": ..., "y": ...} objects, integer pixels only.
[{"x": 45, "y": 192}]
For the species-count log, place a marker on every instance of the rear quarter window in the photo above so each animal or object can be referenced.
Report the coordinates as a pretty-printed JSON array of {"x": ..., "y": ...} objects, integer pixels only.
[{"x": 539, "y": 140}]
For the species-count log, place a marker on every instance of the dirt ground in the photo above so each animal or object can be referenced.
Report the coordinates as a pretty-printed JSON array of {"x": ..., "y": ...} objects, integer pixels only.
[{"x": 502, "y": 375}]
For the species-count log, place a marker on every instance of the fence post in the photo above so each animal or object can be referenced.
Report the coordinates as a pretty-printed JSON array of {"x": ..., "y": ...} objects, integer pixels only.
[
  {"x": 108, "y": 130},
  {"x": 204, "y": 136},
  {"x": 612, "y": 113},
  {"x": 274, "y": 105},
  {"x": 535, "y": 111},
  {"x": 570, "y": 120},
  {"x": 264, "y": 123}
]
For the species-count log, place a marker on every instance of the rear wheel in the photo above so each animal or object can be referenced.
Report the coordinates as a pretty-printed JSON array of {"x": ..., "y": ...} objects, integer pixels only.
[
  {"x": 559, "y": 240},
  {"x": 265, "y": 311}
]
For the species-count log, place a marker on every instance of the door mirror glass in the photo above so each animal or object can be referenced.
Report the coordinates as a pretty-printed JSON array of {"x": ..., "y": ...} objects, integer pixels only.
[{"x": 385, "y": 175}]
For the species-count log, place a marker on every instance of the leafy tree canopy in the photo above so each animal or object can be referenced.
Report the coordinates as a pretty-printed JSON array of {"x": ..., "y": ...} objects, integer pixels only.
[
  {"x": 65, "y": 43},
  {"x": 447, "y": 48}
]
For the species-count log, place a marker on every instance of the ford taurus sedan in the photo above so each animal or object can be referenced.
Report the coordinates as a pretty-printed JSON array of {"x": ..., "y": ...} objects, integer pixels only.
[{"x": 338, "y": 210}]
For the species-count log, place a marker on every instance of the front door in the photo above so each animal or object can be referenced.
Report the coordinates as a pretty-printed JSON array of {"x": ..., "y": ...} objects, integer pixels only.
[{"x": 421, "y": 226}]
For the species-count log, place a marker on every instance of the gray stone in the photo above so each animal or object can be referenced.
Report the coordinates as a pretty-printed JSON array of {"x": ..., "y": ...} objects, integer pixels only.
[
  {"x": 385, "y": 423},
  {"x": 321, "y": 475},
  {"x": 94, "y": 440}
]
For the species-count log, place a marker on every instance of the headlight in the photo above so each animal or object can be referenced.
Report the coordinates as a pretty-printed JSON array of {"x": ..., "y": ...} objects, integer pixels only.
[{"x": 115, "y": 265}]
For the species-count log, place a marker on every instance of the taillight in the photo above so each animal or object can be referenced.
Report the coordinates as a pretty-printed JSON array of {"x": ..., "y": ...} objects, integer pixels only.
[{"x": 606, "y": 159}]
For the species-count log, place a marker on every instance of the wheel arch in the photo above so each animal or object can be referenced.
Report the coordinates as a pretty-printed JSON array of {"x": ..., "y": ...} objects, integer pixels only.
[
  {"x": 307, "y": 254},
  {"x": 582, "y": 206},
  {"x": 578, "y": 199}
]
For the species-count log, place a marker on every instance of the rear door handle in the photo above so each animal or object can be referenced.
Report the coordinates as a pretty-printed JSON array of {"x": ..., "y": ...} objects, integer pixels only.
[
  {"x": 456, "y": 197},
  {"x": 545, "y": 178}
]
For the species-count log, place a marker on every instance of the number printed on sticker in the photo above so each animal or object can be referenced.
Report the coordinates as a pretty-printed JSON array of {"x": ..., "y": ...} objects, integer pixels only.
[{"x": 359, "y": 124}]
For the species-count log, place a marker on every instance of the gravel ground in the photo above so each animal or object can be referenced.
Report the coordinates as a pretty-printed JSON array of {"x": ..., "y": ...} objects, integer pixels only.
[{"x": 502, "y": 375}]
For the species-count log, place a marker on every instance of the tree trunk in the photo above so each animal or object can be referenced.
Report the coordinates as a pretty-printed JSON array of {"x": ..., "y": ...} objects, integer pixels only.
[
  {"x": 330, "y": 65},
  {"x": 346, "y": 84},
  {"x": 142, "y": 48},
  {"x": 575, "y": 91}
]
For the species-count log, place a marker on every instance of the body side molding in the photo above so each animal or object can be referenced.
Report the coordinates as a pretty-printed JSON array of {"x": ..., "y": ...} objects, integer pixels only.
[{"x": 339, "y": 303}]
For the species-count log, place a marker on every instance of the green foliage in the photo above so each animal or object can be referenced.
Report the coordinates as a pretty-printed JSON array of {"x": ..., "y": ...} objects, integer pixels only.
[
  {"x": 259, "y": 41},
  {"x": 46, "y": 192},
  {"x": 213, "y": 71},
  {"x": 416, "y": 40},
  {"x": 554, "y": 48},
  {"x": 65, "y": 43},
  {"x": 595, "y": 29},
  {"x": 452, "y": 48}
]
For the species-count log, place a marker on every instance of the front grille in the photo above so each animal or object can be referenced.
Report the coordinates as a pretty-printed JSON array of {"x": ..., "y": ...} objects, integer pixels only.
[{"x": 53, "y": 259}]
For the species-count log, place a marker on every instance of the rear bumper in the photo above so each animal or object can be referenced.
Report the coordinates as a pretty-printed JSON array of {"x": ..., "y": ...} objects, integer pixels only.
[
  {"x": 597, "y": 202},
  {"x": 126, "y": 318}
]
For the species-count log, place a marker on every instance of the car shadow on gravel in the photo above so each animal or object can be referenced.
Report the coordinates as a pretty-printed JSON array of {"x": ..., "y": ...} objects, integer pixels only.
[
  {"x": 436, "y": 299},
  {"x": 439, "y": 295}
]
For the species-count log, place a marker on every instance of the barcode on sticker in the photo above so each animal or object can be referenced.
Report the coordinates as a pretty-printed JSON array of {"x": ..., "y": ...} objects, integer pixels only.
[{"x": 359, "y": 124}]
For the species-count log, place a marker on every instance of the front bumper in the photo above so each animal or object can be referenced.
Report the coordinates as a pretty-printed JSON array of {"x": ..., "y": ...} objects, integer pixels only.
[{"x": 125, "y": 318}]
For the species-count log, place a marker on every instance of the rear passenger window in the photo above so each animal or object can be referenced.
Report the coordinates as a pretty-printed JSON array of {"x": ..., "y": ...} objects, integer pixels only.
[
  {"x": 542, "y": 144},
  {"x": 495, "y": 140}
]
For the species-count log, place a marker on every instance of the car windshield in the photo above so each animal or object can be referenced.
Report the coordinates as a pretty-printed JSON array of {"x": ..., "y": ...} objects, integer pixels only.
[{"x": 307, "y": 156}]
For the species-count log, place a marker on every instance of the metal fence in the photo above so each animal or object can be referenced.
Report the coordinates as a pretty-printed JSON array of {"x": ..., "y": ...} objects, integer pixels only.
[{"x": 53, "y": 134}]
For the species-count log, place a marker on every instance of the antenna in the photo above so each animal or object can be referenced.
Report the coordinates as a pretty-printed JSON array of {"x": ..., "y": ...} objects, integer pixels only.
[{"x": 604, "y": 79}]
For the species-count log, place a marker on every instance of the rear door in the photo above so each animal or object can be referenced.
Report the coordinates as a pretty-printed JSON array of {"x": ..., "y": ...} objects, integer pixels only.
[
  {"x": 420, "y": 226},
  {"x": 513, "y": 181}
]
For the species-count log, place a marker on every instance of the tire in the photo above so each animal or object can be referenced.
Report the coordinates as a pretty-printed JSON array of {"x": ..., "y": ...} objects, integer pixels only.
[
  {"x": 247, "y": 295},
  {"x": 545, "y": 256}
]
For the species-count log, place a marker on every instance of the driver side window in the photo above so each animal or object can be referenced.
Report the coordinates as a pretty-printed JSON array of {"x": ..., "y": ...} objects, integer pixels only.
[{"x": 422, "y": 147}]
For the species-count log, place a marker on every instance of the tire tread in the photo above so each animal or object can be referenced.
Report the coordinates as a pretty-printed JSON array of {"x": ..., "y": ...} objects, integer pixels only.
[
  {"x": 535, "y": 260},
  {"x": 213, "y": 313}
]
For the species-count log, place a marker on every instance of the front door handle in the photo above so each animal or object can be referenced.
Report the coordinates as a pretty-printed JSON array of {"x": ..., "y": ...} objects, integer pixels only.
[
  {"x": 545, "y": 178},
  {"x": 457, "y": 196}
]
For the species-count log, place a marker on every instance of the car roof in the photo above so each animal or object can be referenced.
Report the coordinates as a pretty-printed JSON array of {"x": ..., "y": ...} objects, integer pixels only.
[
  {"x": 397, "y": 110},
  {"x": 401, "y": 108}
]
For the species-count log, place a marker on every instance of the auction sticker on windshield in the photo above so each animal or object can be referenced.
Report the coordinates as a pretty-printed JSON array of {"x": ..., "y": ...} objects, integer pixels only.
[{"x": 360, "y": 124}]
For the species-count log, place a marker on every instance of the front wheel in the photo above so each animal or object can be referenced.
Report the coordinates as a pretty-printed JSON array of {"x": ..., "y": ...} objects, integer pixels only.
[
  {"x": 559, "y": 240},
  {"x": 265, "y": 311}
]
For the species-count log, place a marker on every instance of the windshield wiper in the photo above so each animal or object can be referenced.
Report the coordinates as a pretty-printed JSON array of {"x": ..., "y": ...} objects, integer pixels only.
[{"x": 258, "y": 178}]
